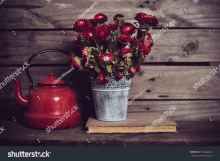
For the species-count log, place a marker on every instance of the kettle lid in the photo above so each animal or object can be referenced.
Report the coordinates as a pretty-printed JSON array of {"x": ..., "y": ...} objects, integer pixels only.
[{"x": 51, "y": 80}]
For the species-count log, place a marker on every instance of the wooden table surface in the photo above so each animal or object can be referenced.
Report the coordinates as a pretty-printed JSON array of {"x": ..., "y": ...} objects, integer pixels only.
[{"x": 188, "y": 134}]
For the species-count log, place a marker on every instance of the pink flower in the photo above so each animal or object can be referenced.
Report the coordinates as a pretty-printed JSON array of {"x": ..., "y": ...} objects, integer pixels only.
[
  {"x": 85, "y": 53},
  {"x": 132, "y": 70},
  {"x": 106, "y": 57},
  {"x": 101, "y": 77}
]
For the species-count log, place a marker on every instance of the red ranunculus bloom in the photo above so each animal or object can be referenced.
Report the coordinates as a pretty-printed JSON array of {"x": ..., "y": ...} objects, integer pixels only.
[
  {"x": 146, "y": 19},
  {"x": 134, "y": 41},
  {"x": 126, "y": 51},
  {"x": 106, "y": 57},
  {"x": 128, "y": 30},
  {"x": 125, "y": 38},
  {"x": 76, "y": 62},
  {"x": 149, "y": 39},
  {"x": 103, "y": 32},
  {"x": 138, "y": 68},
  {"x": 85, "y": 53},
  {"x": 145, "y": 48},
  {"x": 113, "y": 26},
  {"x": 80, "y": 24},
  {"x": 101, "y": 77},
  {"x": 132, "y": 70},
  {"x": 120, "y": 75},
  {"x": 86, "y": 64},
  {"x": 100, "y": 18}
]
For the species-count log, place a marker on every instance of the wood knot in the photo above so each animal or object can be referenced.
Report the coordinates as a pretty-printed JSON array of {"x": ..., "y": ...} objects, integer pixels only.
[{"x": 191, "y": 47}]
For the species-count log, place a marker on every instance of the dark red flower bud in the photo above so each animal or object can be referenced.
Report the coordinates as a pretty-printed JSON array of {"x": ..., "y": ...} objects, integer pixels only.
[
  {"x": 120, "y": 75},
  {"x": 100, "y": 18},
  {"x": 138, "y": 68},
  {"x": 132, "y": 70},
  {"x": 101, "y": 77},
  {"x": 86, "y": 64}
]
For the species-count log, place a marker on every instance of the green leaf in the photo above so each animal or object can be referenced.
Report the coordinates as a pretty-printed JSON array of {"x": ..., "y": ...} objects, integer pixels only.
[
  {"x": 106, "y": 76},
  {"x": 91, "y": 66},
  {"x": 97, "y": 70},
  {"x": 109, "y": 69}
]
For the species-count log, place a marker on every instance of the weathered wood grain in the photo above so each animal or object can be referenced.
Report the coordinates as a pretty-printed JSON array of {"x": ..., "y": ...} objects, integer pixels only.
[
  {"x": 185, "y": 110},
  {"x": 174, "y": 83},
  {"x": 188, "y": 134},
  {"x": 203, "y": 110},
  {"x": 57, "y": 14},
  {"x": 82, "y": 86},
  {"x": 199, "y": 45}
]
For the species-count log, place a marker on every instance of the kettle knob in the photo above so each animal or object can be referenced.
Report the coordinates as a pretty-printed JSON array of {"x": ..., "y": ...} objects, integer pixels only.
[{"x": 51, "y": 74}]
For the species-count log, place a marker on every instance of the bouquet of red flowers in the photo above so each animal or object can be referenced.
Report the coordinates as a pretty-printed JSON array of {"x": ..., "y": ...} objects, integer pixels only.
[{"x": 111, "y": 50}]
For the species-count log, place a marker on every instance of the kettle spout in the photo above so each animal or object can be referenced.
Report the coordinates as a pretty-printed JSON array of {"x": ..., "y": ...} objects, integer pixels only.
[{"x": 19, "y": 98}]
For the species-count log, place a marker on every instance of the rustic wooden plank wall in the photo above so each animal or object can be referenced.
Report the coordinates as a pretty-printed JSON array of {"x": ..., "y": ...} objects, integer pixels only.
[{"x": 180, "y": 57}]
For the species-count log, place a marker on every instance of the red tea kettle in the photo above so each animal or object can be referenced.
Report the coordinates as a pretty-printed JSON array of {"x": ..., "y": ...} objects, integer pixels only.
[{"x": 52, "y": 105}]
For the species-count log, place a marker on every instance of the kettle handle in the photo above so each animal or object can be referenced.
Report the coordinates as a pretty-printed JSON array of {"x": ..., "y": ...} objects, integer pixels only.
[{"x": 36, "y": 54}]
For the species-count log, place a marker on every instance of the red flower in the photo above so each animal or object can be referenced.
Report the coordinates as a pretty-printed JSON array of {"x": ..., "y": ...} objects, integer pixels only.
[
  {"x": 106, "y": 57},
  {"x": 70, "y": 56},
  {"x": 146, "y": 19},
  {"x": 102, "y": 32},
  {"x": 104, "y": 82},
  {"x": 125, "y": 38},
  {"x": 134, "y": 41},
  {"x": 76, "y": 41},
  {"x": 149, "y": 39},
  {"x": 113, "y": 26},
  {"x": 126, "y": 51},
  {"x": 76, "y": 62},
  {"x": 128, "y": 30},
  {"x": 93, "y": 22},
  {"x": 85, "y": 53},
  {"x": 132, "y": 70},
  {"x": 100, "y": 18},
  {"x": 145, "y": 48},
  {"x": 89, "y": 33},
  {"x": 86, "y": 64},
  {"x": 138, "y": 68},
  {"x": 120, "y": 75},
  {"x": 80, "y": 24},
  {"x": 118, "y": 15},
  {"x": 101, "y": 77}
]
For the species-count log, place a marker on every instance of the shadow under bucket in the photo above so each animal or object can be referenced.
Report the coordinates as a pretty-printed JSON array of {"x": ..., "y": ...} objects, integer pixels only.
[{"x": 111, "y": 100}]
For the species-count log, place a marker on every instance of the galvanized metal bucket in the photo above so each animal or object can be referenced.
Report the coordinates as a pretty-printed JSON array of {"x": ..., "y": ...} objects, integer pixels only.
[{"x": 111, "y": 100}]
